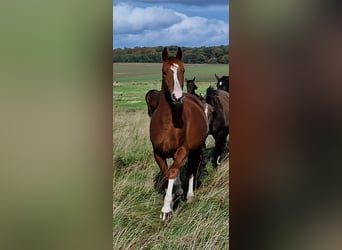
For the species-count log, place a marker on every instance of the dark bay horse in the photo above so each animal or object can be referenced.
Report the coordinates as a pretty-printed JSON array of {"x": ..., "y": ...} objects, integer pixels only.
[
  {"x": 222, "y": 83},
  {"x": 178, "y": 129},
  {"x": 152, "y": 100},
  {"x": 219, "y": 125},
  {"x": 191, "y": 86}
]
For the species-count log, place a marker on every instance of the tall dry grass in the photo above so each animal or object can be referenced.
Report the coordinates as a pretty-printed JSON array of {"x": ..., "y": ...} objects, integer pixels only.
[{"x": 201, "y": 224}]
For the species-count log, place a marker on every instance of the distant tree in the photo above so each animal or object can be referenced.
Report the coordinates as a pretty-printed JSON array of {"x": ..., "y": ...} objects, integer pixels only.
[
  {"x": 216, "y": 54},
  {"x": 212, "y": 60}
]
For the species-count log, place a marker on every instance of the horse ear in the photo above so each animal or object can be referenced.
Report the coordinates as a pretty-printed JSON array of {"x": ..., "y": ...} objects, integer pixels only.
[
  {"x": 193, "y": 79},
  {"x": 179, "y": 54},
  {"x": 217, "y": 77},
  {"x": 165, "y": 54}
]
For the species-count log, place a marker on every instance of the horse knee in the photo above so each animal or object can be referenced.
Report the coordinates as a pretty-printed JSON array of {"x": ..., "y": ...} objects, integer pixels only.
[{"x": 173, "y": 173}]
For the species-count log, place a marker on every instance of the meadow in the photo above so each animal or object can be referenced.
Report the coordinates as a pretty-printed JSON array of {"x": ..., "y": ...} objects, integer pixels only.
[
  {"x": 133, "y": 80},
  {"x": 201, "y": 224}
]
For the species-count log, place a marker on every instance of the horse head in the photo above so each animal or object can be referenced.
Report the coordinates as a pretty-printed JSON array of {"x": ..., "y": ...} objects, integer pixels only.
[
  {"x": 191, "y": 86},
  {"x": 222, "y": 82},
  {"x": 173, "y": 76}
]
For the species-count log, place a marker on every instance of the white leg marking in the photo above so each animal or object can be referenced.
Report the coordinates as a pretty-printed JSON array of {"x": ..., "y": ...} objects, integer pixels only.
[
  {"x": 218, "y": 160},
  {"x": 177, "y": 89},
  {"x": 191, "y": 188},
  {"x": 168, "y": 198}
]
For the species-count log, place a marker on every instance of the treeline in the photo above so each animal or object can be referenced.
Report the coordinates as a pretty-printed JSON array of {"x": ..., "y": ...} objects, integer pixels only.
[{"x": 211, "y": 55}]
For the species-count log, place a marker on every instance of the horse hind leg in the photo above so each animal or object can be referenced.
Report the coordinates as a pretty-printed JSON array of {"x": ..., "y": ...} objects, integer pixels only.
[
  {"x": 178, "y": 186},
  {"x": 194, "y": 160},
  {"x": 220, "y": 143}
]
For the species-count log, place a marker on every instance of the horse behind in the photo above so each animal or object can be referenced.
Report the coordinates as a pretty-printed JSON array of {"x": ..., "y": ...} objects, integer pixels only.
[
  {"x": 178, "y": 129},
  {"x": 219, "y": 125},
  {"x": 152, "y": 100},
  {"x": 222, "y": 83}
]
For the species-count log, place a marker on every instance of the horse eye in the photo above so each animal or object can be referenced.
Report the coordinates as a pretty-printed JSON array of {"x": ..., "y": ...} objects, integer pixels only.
[{"x": 164, "y": 73}]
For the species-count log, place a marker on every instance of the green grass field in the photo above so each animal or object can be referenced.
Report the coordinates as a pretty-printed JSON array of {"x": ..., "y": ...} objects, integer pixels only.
[
  {"x": 201, "y": 224},
  {"x": 133, "y": 80}
]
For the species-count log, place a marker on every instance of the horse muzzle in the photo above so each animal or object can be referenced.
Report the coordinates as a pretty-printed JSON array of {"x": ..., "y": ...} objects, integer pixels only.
[{"x": 177, "y": 100}]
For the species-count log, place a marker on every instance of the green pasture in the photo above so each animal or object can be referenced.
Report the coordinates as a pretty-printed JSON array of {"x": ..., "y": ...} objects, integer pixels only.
[
  {"x": 200, "y": 224},
  {"x": 133, "y": 80}
]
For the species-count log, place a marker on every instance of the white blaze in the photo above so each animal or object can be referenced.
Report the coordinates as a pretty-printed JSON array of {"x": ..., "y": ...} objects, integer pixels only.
[
  {"x": 177, "y": 89},
  {"x": 220, "y": 83}
]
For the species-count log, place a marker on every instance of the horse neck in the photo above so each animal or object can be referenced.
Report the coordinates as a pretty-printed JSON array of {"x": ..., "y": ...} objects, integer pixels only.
[{"x": 174, "y": 110}]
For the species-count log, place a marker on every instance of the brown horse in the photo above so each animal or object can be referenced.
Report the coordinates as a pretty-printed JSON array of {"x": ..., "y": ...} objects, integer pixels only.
[
  {"x": 219, "y": 124},
  {"x": 178, "y": 129},
  {"x": 152, "y": 100}
]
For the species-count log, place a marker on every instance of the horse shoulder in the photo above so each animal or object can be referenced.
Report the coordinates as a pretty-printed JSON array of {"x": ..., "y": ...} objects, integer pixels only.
[{"x": 194, "y": 110}]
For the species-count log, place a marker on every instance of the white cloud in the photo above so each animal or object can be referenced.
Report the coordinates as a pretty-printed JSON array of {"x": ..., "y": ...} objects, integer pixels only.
[
  {"x": 127, "y": 20},
  {"x": 154, "y": 26}
]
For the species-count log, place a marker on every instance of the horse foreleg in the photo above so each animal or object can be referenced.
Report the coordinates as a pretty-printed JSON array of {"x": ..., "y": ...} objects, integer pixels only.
[
  {"x": 166, "y": 212},
  {"x": 173, "y": 172},
  {"x": 163, "y": 168}
]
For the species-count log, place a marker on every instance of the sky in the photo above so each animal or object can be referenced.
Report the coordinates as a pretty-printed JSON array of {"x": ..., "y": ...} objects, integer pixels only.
[{"x": 188, "y": 23}]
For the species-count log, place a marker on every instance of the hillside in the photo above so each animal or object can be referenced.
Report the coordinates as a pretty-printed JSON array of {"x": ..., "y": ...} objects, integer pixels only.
[{"x": 211, "y": 55}]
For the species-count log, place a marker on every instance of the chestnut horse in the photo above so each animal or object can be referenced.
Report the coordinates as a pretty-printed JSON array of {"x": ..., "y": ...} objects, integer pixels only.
[{"x": 178, "y": 129}]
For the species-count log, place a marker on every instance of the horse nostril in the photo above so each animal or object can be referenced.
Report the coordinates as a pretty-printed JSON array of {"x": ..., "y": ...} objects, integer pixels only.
[{"x": 177, "y": 100}]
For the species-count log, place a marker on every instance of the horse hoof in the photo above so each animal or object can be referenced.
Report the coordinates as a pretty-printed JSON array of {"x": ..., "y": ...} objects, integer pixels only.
[
  {"x": 165, "y": 217},
  {"x": 190, "y": 198}
]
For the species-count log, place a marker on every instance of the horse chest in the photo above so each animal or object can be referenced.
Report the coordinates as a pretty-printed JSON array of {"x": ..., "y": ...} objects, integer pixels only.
[{"x": 168, "y": 140}]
